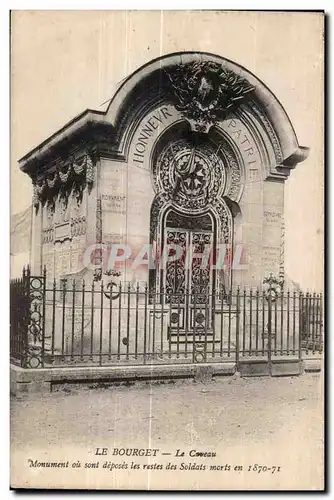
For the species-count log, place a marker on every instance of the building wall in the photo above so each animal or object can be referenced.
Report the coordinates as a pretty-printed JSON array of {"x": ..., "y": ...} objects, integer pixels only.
[{"x": 126, "y": 190}]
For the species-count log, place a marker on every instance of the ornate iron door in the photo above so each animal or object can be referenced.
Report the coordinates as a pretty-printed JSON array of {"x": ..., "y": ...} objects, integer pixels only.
[
  {"x": 188, "y": 280},
  {"x": 200, "y": 282},
  {"x": 175, "y": 274}
]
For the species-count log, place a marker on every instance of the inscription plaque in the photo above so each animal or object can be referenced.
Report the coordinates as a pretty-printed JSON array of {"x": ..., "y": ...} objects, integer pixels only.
[
  {"x": 272, "y": 217},
  {"x": 114, "y": 203}
]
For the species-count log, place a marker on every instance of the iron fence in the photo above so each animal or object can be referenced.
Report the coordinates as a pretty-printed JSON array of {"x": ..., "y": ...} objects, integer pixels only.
[{"x": 66, "y": 323}]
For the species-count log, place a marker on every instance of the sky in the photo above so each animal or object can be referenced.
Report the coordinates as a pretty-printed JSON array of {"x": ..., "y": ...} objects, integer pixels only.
[{"x": 63, "y": 62}]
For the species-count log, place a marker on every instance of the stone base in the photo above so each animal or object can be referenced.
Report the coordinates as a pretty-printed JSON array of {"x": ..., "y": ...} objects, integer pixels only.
[
  {"x": 254, "y": 367},
  {"x": 312, "y": 365},
  {"x": 279, "y": 367},
  {"x": 42, "y": 380},
  {"x": 286, "y": 368}
]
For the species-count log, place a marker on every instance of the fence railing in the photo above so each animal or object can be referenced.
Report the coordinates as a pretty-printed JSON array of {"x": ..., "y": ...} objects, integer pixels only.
[{"x": 77, "y": 323}]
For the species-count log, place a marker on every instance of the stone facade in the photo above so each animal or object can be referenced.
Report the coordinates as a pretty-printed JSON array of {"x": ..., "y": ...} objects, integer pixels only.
[{"x": 119, "y": 177}]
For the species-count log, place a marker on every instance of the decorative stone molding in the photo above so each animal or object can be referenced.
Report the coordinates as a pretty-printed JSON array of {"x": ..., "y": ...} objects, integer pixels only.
[
  {"x": 269, "y": 129},
  {"x": 99, "y": 220},
  {"x": 98, "y": 252},
  {"x": 66, "y": 230},
  {"x": 48, "y": 235},
  {"x": 78, "y": 226},
  {"x": 215, "y": 86},
  {"x": 62, "y": 232},
  {"x": 71, "y": 177},
  {"x": 205, "y": 91},
  {"x": 191, "y": 175}
]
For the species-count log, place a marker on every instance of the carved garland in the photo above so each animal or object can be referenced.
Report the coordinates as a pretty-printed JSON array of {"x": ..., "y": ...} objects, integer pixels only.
[{"x": 73, "y": 177}]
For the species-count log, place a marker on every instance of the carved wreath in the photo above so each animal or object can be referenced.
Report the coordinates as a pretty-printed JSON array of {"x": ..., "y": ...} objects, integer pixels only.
[{"x": 206, "y": 91}]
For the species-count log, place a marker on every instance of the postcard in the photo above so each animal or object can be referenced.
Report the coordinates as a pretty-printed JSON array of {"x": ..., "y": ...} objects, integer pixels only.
[{"x": 166, "y": 296}]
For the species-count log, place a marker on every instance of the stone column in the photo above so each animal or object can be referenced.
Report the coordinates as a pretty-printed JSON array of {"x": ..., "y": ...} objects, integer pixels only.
[
  {"x": 92, "y": 194},
  {"x": 36, "y": 240}
]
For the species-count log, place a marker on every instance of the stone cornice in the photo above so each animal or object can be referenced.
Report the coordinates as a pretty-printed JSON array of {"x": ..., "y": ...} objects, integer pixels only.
[{"x": 76, "y": 134}]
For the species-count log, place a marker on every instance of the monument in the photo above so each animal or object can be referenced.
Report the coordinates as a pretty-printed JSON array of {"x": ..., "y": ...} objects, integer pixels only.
[
  {"x": 161, "y": 220},
  {"x": 193, "y": 149}
]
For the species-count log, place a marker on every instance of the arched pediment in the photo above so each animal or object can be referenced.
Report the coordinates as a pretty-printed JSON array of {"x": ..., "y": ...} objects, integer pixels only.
[
  {"x": 153, "y": 83},
  {"x": 204, "y": 89}
]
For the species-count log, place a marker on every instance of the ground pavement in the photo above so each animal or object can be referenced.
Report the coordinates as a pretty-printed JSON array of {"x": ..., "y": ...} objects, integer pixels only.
[{"x": 256, "y": 433}]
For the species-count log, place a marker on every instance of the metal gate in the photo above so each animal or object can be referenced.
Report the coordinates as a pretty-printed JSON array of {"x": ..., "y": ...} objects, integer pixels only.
[{"x": 68, "y": 322}]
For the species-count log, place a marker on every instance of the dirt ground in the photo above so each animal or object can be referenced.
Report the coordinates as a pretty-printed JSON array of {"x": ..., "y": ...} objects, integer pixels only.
[{"x": 264, "y": 421}]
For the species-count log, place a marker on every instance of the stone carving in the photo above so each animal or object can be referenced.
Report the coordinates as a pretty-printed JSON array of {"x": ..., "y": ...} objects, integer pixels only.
[
  {"x": 98, "y": 252},
  {"x": 50, "y": 215},
  {"x": 48, "y": 235},
  {"x": 269, "y": 128},
  {"x": 89, "y": 171},
  {"x": 99, "y": 220},
  {"x": 78, "y": 226},
  {"x": 205, "y": 91},
  {"x": 62, "y": 232},
  {"x": 191, "y": 175},
  {"x": 69, "y": 178},
  {"x": 62, "y": 212},
  {"x": 225, "y": 221},
  {"x": 193, "y": 179},
  {"x": 64, "y": 227},
  {"x": 158, "y": 203},
  {"x": 236, "y": 179}
]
